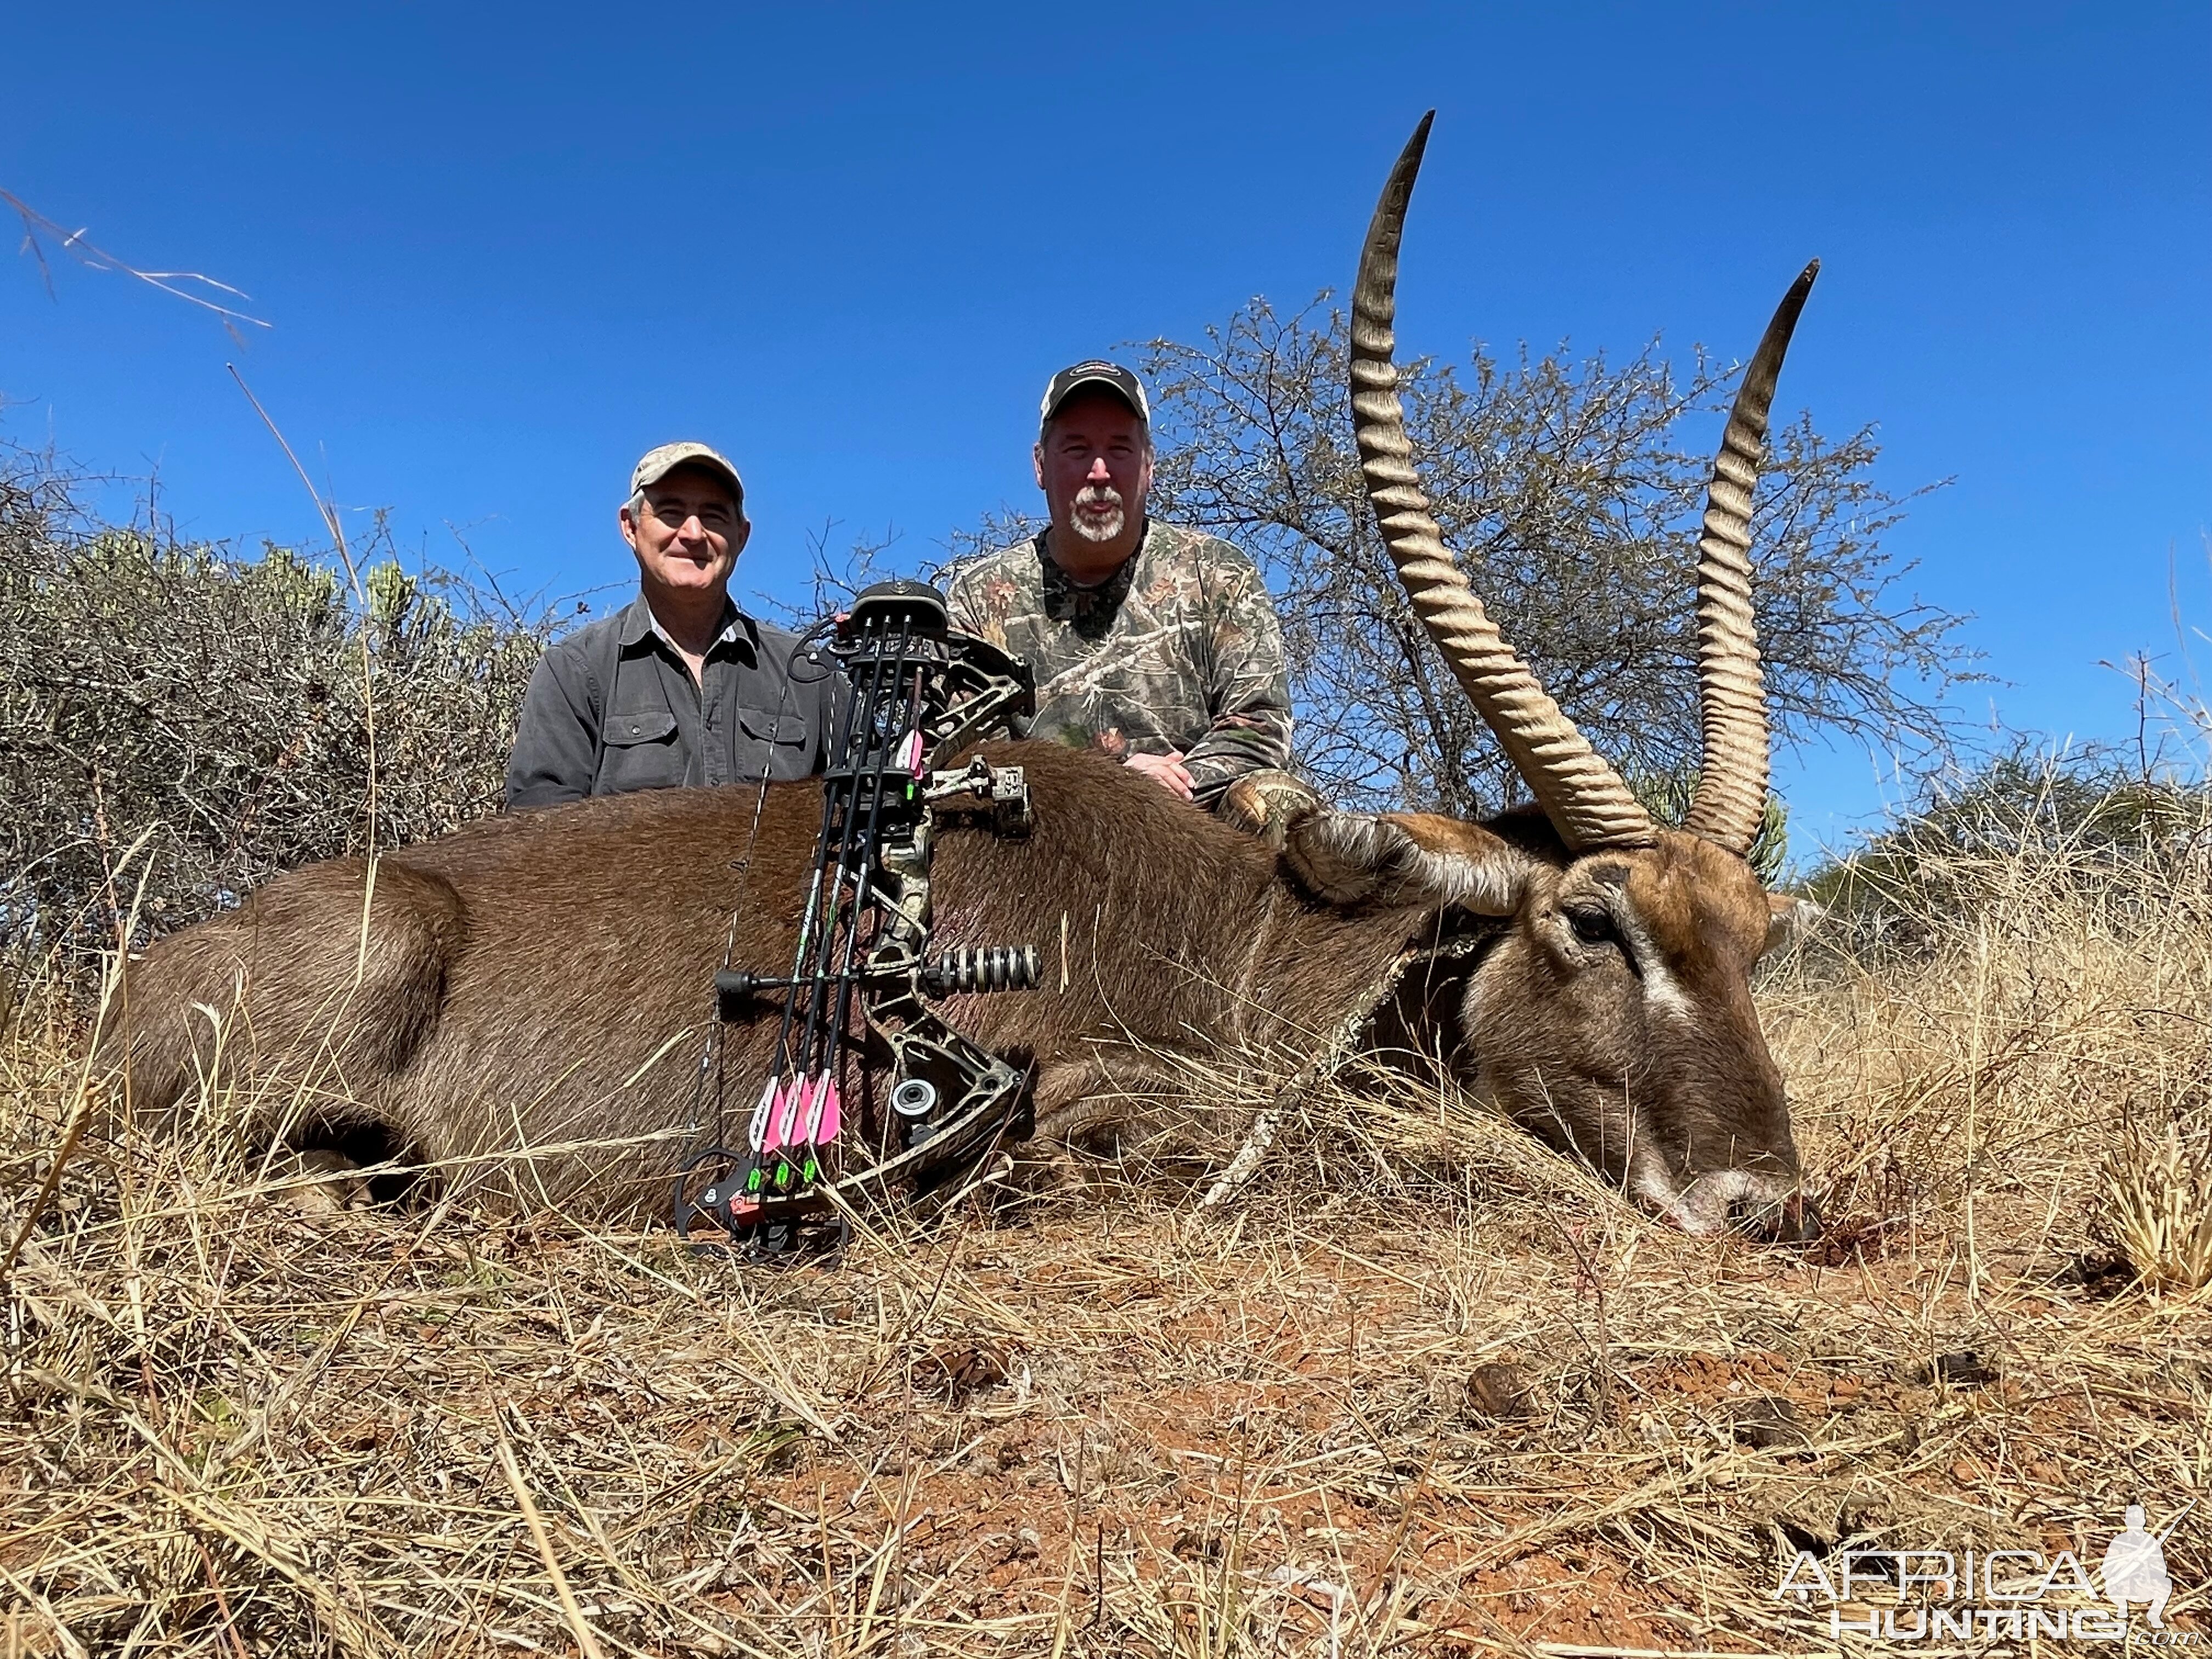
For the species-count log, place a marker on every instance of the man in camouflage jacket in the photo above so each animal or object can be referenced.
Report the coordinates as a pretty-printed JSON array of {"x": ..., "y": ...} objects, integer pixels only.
[{"x": 1154, "y": 643}]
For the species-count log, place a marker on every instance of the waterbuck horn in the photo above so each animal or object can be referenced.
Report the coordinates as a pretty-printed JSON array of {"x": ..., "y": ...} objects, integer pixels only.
[
  {"x": 1731, "y": 797},
  {"x": 1583, "y": 797}
]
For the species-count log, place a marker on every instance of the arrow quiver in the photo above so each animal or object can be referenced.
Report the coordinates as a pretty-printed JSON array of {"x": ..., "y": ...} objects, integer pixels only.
[{"x": 854, "y": 1113}]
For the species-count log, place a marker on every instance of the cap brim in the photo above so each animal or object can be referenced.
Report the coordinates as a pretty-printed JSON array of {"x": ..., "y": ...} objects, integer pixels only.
[
  {"x": 1105, "y": 382},
  {"x": 720, "y": 468}
]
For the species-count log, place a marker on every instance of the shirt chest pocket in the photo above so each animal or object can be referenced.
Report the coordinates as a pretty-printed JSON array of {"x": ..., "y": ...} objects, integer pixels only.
[
  {"x": 779, "y": 741},
  {"x": 640, "y": 753}
]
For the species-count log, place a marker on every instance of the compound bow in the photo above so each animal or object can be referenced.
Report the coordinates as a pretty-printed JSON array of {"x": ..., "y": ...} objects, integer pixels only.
[{"x": 815, "y": 1147}]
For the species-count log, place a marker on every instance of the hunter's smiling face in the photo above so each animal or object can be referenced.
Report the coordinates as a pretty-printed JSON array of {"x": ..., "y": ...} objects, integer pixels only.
[{"x": 688, "y": 532}]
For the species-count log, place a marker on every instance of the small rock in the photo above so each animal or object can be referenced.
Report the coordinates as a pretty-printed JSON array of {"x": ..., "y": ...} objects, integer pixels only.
[
  {"x": 1965, "y": 1369},
  {"x": 1500, "y": 1389},
  {"x": 961, "y": 1369},
  {"x": 1769, "y": 1421},
  {"x": 1193, "y": 1546},
  {"x": 2102, "y": 1275}
]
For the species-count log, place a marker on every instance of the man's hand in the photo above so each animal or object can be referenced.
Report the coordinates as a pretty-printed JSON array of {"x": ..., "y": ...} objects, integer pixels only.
[{"x": 1167, "y": 770}]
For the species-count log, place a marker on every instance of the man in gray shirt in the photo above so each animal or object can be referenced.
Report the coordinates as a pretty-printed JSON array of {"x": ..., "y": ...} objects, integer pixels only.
[{"x": 680, "y": 686}]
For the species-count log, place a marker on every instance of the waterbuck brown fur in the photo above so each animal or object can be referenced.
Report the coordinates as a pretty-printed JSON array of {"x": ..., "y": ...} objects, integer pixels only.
[{"x": 533, "y": 985}]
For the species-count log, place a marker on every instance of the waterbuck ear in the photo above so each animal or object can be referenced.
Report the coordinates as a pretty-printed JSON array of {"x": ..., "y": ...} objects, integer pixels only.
[
  {"x": 1790, "y": 919},
  {"x": 1404, "y": 858}
]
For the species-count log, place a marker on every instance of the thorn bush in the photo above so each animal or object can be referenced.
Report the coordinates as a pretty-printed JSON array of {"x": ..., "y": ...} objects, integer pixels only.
[{"x": 229, "y": 704}]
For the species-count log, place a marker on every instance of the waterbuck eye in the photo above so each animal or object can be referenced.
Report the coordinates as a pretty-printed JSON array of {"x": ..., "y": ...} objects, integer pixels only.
[{"x": 1591, "y": 927}]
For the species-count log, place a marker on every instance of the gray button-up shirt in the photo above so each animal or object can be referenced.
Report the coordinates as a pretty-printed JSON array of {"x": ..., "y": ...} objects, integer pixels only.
[{"x": 613, "y": 707}]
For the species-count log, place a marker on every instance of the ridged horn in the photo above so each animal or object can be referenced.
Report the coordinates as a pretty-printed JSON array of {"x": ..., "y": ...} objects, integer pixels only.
[
  {"x": 1583, "y": 797},
  {"x": 1731, "y": 797}
]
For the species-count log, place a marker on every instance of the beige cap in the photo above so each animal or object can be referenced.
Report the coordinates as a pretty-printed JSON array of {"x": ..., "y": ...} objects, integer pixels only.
[{"x": 657, "y": 464}]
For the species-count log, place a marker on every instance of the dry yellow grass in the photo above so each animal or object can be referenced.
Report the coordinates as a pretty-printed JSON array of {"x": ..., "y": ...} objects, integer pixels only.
[{"x": 1419, "y": 1387}]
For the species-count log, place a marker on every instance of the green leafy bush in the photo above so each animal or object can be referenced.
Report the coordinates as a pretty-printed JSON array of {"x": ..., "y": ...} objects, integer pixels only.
[
  {"x": 2125, "y": 838},
  {"x": 250, "y": 714}
]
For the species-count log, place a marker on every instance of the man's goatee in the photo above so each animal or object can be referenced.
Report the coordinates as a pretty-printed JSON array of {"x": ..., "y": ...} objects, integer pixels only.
[{"x": 1099, "y": 530}]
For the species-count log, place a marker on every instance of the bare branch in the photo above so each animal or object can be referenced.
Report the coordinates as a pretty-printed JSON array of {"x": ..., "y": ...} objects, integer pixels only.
[
  {"x": 1570, "y": 490},
  {"x": 37, "y": 226}
]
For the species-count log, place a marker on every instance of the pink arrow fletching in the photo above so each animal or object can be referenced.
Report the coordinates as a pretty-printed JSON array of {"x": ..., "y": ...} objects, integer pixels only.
[
  {"x": 757, "y": 1131},
  {"x": 822, "y": 1128},
  {"x": 796, "y": 1104},
  {"x": 780, "y": 1116}
]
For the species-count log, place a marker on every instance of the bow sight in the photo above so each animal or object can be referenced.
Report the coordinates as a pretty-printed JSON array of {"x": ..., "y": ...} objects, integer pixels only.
[{"x": 819, "y": 1139}]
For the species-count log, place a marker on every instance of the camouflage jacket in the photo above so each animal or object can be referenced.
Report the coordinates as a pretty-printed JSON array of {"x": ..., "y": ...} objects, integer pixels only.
[{"x": 1180, "y": 649}]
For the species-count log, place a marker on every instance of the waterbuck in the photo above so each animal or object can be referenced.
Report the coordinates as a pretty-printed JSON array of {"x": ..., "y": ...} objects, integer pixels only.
[{"x": 495, "y": 1000}]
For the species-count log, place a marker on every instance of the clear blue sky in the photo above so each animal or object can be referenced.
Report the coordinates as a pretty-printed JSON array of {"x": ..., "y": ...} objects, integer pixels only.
[{"x": 507, "y": 249}]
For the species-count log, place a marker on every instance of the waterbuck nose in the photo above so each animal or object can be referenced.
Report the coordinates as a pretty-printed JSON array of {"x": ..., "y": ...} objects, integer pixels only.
[{"x": 1795, "y": 1219}]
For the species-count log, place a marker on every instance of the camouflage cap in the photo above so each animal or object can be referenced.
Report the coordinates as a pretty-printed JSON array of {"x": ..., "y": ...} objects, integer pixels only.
[
  {"x": 1095, "y": 371},
  {"x": 657, "y": 464}
]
